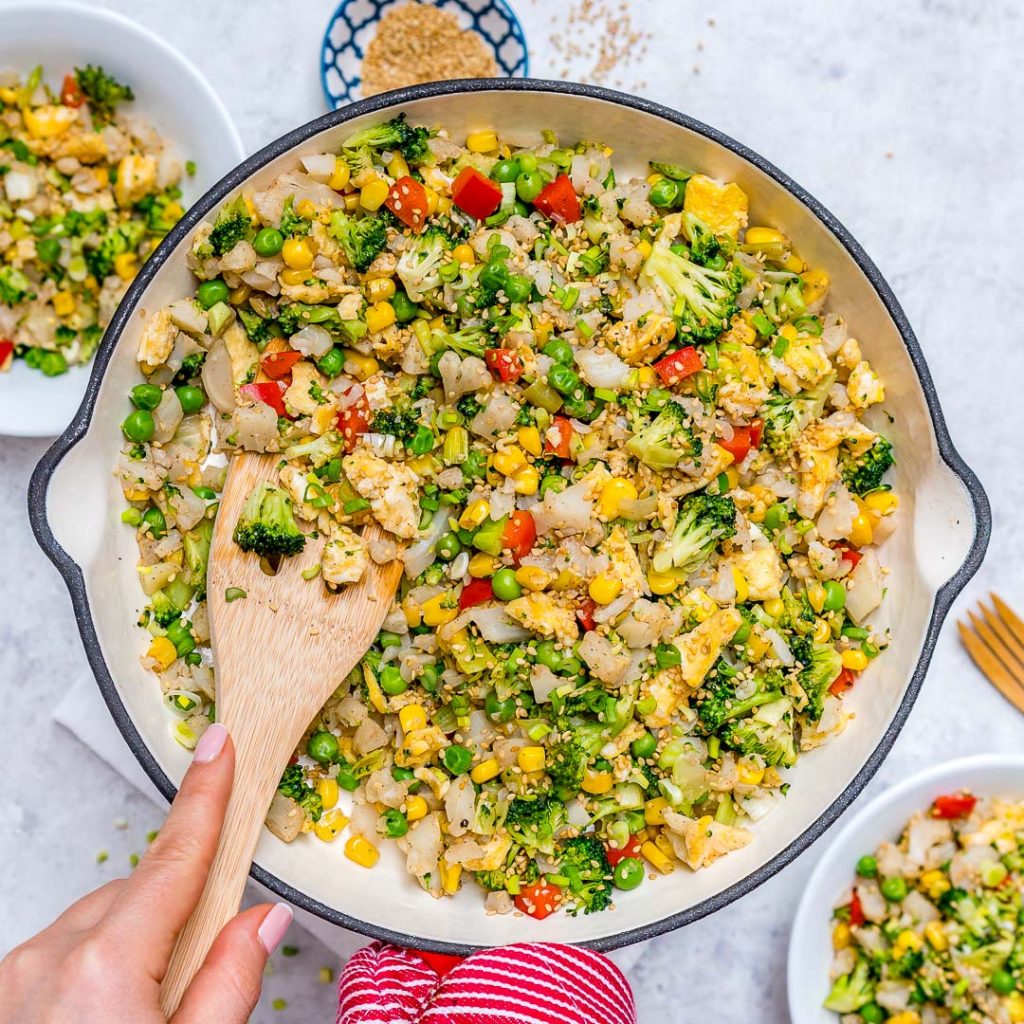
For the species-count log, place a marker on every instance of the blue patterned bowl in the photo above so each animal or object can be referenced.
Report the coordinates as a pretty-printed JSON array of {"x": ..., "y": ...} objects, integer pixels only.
[{"x": 354, "y": 24}]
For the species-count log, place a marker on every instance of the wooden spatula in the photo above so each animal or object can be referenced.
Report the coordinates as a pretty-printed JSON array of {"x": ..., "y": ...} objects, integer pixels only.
[{"x": 280, "y": 652}]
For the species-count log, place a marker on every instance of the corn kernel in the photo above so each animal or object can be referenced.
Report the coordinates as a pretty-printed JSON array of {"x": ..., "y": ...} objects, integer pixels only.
[
  {"x": 757, "y": 646},
  {"x": 412, "y": 612},
  {"x": 297, "y": 254},
  {"x": 908, "y": 941},
  {"x": 841, "y": 936},
  {"x": 306, "y": 208},
  {"x": 239, "y": 296},
  {"x": 816, "y": 596},
  {"x": 1015, "y": 1007},
  {"x": 654, "y": 811},
  {"x": 526, "y": 480},
  {"x": 529, "y": 438},
  {"x": 162, "y": 651},
  {"x": 935, "y": 935},
  {"x": 732, "y": 474},
  {"x": 654, "y": 856},
  {"x": 816, "y": 283},
  {"x": 360, "y": 366},
  {"x": 415, "y": 807},
  {"x": 126, "y": 264},
  {"x": 644, "y": 248},
  {"x": 362, "y": 851},
  {"x": 531, "y": 759},
  {"x": 654, "y": 178},
  {"x": 935, "y": 884},
  {"x": 435, "y": 613},
  {"x": 856, "y": 661},
  {"x": 379, "y": 316},
  {"x": 542, "y": 331},
  {"x": 380, "y": 289},
  {"x": 882, "y": 502},
  {"x": 412, "y": 717},
  {"x": 793, "y": 263},
  {"x": 750, "y": 772},
  {"x": 330, "y": 826},
  {"x": 475, "y": 514},
  {"x": 604, "y": 588},
  {"x": 464, "y": 254},
  {"x": 327, "y": 789},
  {"x": 774, "y": 607},
  {"x": 508, "y": 460},
  {"x": 646, "y": 377},
  {"x": 661, "y": 584},
  {"x": 352, "y": 201},
  {"x": 482, "y": 142},
  {"x": 613, "y": 494},
  {"x": 342, "y": 173},
  {"x": 862, "y": 533},
  {"x": 373, "y": 194},
  {"x": 63, "y": 303},
  {"x": 293, "y": 277},
  {"x": 450, "y": 876},
  {"x": 481, "y": 566},
  {"x": 398, "y": 168},
  {"x": 822, "y": 631},
  {"x": 742, "y": 587},
  {"x": 597, "y": 782},
  {"x": 533, "y": 577},
  {"x": 433, "y": 201},
  {"x": 485, "y": 771},
  {"x": 907, "y": 1017},
  {"x": 764, "y": 236}
]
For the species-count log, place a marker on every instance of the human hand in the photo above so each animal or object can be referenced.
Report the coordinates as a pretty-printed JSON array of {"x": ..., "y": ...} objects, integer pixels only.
[{"x": 103, "y": 959}]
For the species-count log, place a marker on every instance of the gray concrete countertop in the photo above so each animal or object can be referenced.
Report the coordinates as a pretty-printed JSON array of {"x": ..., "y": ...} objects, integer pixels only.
[{"x": 903, "y": 118}]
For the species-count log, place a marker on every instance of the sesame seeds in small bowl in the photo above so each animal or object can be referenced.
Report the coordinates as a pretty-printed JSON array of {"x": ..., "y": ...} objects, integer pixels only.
[{"x": 372, "y": 46}]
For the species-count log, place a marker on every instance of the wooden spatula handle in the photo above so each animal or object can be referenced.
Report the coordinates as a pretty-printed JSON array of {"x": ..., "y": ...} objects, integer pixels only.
[{"x": 259, "y": 761}]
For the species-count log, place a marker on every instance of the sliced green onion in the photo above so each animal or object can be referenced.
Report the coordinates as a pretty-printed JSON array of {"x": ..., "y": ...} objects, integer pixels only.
[{"x": 233, "y": 594}]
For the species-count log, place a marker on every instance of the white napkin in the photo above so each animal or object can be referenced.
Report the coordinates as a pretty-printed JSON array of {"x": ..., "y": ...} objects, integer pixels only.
[{"x": 83, "y": 713}]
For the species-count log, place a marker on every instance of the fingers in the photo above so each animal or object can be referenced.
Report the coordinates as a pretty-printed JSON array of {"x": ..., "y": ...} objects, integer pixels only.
[
  {"x": 89, "y": 910},
  {"x": 227, "y": 986},
  {"x": 164, "y": 889}
]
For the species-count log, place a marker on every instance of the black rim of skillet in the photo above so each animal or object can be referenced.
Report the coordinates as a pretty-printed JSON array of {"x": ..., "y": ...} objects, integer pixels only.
[{"x": 75, "y": 581}]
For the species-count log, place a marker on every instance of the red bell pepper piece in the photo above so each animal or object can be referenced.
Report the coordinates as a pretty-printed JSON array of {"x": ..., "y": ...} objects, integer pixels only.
[
  {"x": 505, "y": 365},
  {"x": 558, "y": 438},
  {"x": 857, "y": 917},
  {"x": 631, "y": 849},
  {"x": 476, "y": 194},
  {"x": 842, "y": 682},
  {"x": 558, "y": 200},
  {"x": 849, "y": 554},
  {"x": 679, "y": 365},
  {"x": 539, "y": 900},
  {"x": 585, "y": 614},
  {"x": 756, "y": 431},
  {"x": 278, "y": 365},
  {"x": 475, "y": 592},
  {"x": 520, "y": 534},
  {"x": 953, "y": 805},
  {"x": 71, "y": 94},
  {"x": 354, "y": 420},
  {"x": 6, "y": 353},
  {"x": 738, "y": 445},
  {"x": 270, "y": 392},
  {"x": 407, "y": 200}
]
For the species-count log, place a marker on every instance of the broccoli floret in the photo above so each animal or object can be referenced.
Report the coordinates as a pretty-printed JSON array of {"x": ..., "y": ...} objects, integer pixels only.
[
  {"x": 319, "y": 451},
  {"x": 584, "y": 863},
  {"x": 469, "y": 406},
  {"x": 102, "y": 91},
  {"x": 163, "y": 609},
  {"x": 233, "y": 225},
  {"x": 666, "y": 440},
  {"x": 410, "y": 140},
  {"x": 267, "y": 525},
  {"x": 851, "y": 991},
  {"x": 717, "y": 702},
  {"x": 196, "y": 543},
  {"x": 291, "y": 223},
  {"x": 361, "y": 238},
  {"x": 700, "y": 299},
  {"x": 567, "y": 762},
  {"x": 100, "y": 258},
  {"x": 293, "y": 785},
  {"x": 820, "y": 665},
  {"x": 768, "y": 732},
  {"x": 15, "y": 287},
  {"x": 467, "y": 341},
  {"x": 532, "y": 822},
  {"x": 191, "y": 366},
  {"x": 400, "y": 423},
  {"x": 296, "y": 315},
  {"x": 420, "y": 264},
  {"x": 704, "y": 245},
  {"x": 257, "y": 330},
  {"x": 863, "y": 473},
  {"x": 703, "y": 521},
  {"x": 786, "y": 416},
  {"x": 517, "y": 866}
]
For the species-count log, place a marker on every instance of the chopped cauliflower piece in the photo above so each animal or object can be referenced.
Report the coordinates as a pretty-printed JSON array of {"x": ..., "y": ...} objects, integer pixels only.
[
  {"x": 722, "y": 206},
  {"x": 390, "y": 488},
  {"x": 344, "y": 557}
]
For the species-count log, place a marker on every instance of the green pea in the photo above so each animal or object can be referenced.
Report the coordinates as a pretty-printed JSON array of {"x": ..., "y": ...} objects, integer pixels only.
[
  {"x": 1002, "y": 982},
  {"x": 405, "y": 309},
  {"x": 519, "y": 288},
  {"x": 628, "y": 874},
  {"x": 268, "y": 242},
  {"x": 775, "y": 517},
  {"x": 835, "y": 596},
  {"x": 644, "y": 746},
  {"x": 552, "y": 482},
  {"x": 331, "y": 363},
  {"x": 146, "y": 396},
  {"x": 395, "y": 823},
  {"x": 430, "y": 677},
  {"x": 347, "y": 780},
  {"x": 563, "y": 379},
  {"x": 505, "y": 585},
  {"x": 894, "y": 889},
  {"x": 664, "y": 193},
  {"x": 53, "y": 364},
  {"x": 322, "y": 747},
  {"x": 867, "y": 866},
  {"x": 560, "y": 351},
  {"x": 48, "y": 250},
  {"x": 138, "y": 426},
  {"x": 529, "y": 185},
  {"x": 402, "y": 774},
  {"x": 549, "y": 655},
  {"x": 457, "y": 759},
  {"x": 494, "y": 276},
  {"x": 153, "y": 521},
  {"x": 192, "y": 398},
  {"x": 527, "y": 162},
  {"x": 520, "y": 209},
  {"x": 499, "y": 710},
  {"x": 180, "y": 634},
  {"x": 33, "y": 357},
  {"x": 209, "y": 293},
  {"x": 872, "y": 1014},
  {"x": 505, "y": 170},
  {"x": 667, "y": 656},
  {"x": 447, "y": 547},
  {"x": 742, "y": 635},
  {"x": 391, "y": 681}
]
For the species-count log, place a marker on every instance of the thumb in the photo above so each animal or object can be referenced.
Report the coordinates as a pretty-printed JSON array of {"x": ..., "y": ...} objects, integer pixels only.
[{"x": 226, "y": 988}]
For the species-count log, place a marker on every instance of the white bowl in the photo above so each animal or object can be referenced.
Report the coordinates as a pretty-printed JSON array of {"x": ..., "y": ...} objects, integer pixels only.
[
  {"x": 944, "y": 513},
  {"x": 881, "y": 820},
  {"x": 170, "y": 93}
]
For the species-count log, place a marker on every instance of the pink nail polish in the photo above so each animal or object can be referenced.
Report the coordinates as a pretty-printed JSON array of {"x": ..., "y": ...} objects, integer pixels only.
[
  {"x": 210, "y": 744},
  {"x": 274, "y": 927}
]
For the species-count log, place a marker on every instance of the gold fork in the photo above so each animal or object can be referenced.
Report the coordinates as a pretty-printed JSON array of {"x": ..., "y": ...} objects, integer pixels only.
[{"x": 995, "y": 642}]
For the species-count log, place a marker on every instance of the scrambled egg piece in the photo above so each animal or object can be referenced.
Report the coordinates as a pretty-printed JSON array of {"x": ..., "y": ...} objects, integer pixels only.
[
  {"x": 314, "y": 290},
  {"x": 640, "y": 342},
  {"x": 324, "y": 418},
  {"x": 495, "y": 851},
  {"x": 306, "y": 380},
  {"x": 85, "y": 147},
  {"x": 723, "y": 207},
  {"x": 818, "y": 447},
  {"x": 715, "y": 460},
  {"x": 419, "y": 746},
  {"x": 540, "y": 613},
  {"x": 157, "y": 340},
  {"x": 244, "y": 354},
  {"x": 746, "y": 381},
  {"x": 136, "y": 177},
  {"x": 624, "y": 564},
  {"x": 48, "y": 121},
  {"x": 295, "y": 483},
  {"x": 762, "y": 568},
  {"x": 806, "y": 362},
  {"x": 388, "y": 344},
  {"x": 864, "y": 387},
  {"x": 390, "y": 488},
  {"x": 344, "y": 558},
  {"x": 701, "y": 841}
]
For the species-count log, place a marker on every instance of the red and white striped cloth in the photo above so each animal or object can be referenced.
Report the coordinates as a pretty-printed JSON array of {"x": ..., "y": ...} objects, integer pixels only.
[{"x": 530, "y": 983}]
